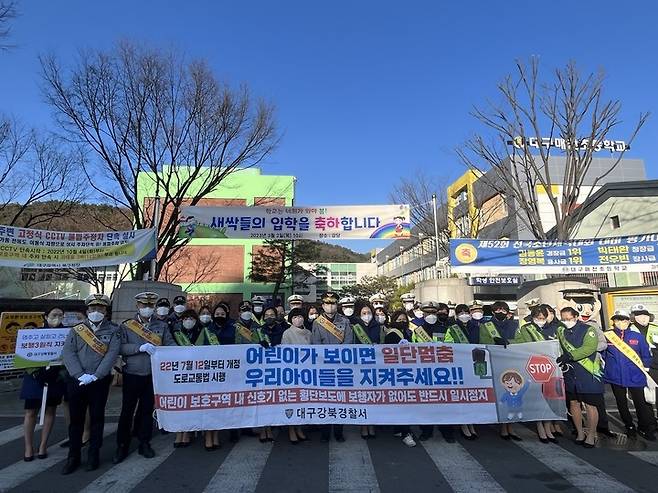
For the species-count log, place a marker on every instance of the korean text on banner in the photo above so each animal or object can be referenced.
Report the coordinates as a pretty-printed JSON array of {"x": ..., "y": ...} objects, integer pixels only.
[
  {"x": 10, "y": 324},
  {"x": 240, "y": 386},
  {"x": 43, "y": 347},
  {"x": 602, "y": 255},
  {"x": 40, "y": 249},
  {"x": 313, "y": 223}
]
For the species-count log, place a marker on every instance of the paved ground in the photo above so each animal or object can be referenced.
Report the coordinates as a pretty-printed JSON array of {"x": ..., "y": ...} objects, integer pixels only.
[{"x": 380, "y": 465}]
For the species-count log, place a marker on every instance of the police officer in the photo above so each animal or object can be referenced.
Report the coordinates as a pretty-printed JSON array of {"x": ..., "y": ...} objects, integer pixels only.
[
  {"x": 247, "y": 328},
  {"x": 331, "y": 328},
  {"x": 295, "y": 301},
  {"x": 378, "y": 300},
  {"x": 180, "y": 305},
  {"x": 139, "y": 338},
  {"x": 643, "y": 322},
  {"x": 346, "y": 308},
  {"x": 163, "y": 309},
  {"x": 90, "y": 350},
  {"x": 257, "y": 308},
  {"x": 408, "y": 302}
]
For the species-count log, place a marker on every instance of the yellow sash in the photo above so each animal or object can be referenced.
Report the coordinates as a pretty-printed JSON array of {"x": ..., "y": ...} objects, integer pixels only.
[
  {"x": 246, "y": 333},
  {"x": 396, "y": 332},
  {"x": 420, "y": 333},
  {"x": 627, "y": 351},
  {"x": 143, "y": 332},
  {"x": 90, "y": 338},
  {"x": 329, "y": 326}
]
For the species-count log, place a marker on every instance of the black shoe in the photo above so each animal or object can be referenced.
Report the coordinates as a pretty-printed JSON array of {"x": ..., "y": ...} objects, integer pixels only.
[
  {"x": 516, "y": 438},
  {"x": 28, "y": 458},
  {"x": 120, "y": 454},
  {"x": 42, "y": 456},
  {"x": 93, "y": 461},
  {"x": 145, "y": 450},
  {"x": 235, "y": 437},
  {"x": 340, "y": 438},
  {"x": 424, "y": 437},
  {"x": 606, "y": 432},
  {"x": 647, "y": 435},
  {"x": 559, "y": 433},
  {"x": 553, "y": 440},
  {"x": 580, "y": 442},
  {"x": 544, "y": 440},
  {"x": 505, "y": 437},
  {"x": 631, "y": 431},
  {"x": 71, "y": 465}
]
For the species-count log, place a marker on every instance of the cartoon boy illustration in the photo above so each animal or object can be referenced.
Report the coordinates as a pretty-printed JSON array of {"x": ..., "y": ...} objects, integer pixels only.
[
  {"x": 515, "y": 388},
  {"x": 399, "y": 228}
]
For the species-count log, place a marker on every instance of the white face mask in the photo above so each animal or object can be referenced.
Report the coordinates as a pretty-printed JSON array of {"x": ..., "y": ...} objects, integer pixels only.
[
  {"x": 162, "y": 311},
  {"x": 477, "y": 315},
  {"x": 381, "y": 319},
  {"x": 419, "y": 314},
  {"x": 258, "y": 309},
  {"x": 431, "y": 319},
  {"x": 179, "y": 308},
  {"x": 313, "y": 316},
  {"x": 348, "y": 312},
  {"x": 539, "y": 323},
  {"x": 298, "y": 322},
  {"x": 95, "y": 317},
  {"x": 245, "y": 315},
  {"x": 464, "y": 317},
  {"x": 330, "y": 309},
  {"x": 54, "y": 321},
  {"x": 643, "y": 320},
  {"x": 408, "y": 306},
  {"x": 378, "y": 305},
  {"x": 367, "y": 318},
  {"x": 569, "y": 324},
  {"x": 189, "y": 323},
  {"x": 146, "y": 312},
  {"x": 205, "y": 319}
]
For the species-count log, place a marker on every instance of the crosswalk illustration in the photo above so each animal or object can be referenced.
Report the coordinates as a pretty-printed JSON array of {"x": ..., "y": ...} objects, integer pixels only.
[{"x": 379, "y": 465}]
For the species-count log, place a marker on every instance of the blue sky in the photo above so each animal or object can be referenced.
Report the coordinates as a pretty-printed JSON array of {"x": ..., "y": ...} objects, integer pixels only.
[{"x": 366, "y": 91}]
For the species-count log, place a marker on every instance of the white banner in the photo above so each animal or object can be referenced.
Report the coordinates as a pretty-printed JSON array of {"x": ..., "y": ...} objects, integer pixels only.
[
  {"x": 41, "y": 249},
  {"x": 239, "y": 386},
  {"x": 39, "y": 347},
  {"x": 313, "y": 223}
]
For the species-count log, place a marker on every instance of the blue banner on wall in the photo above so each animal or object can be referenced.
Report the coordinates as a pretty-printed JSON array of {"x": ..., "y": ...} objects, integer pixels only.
[{"x": 602, "y": 255}]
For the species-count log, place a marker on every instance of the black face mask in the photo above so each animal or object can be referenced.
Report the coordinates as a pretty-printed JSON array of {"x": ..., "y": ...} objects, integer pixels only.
[
  {"x": 500, "y": 316},
  {"x": 442, "y": 317},
  {"x": 270, "y": 320},
  {"x": 399, "y": 325},
  {"x": 219, "y": 320}
]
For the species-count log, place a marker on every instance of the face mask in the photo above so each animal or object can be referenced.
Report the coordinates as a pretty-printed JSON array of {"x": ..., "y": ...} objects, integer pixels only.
[
  {"x": 146, "y": 312},
  {"x": 312, "y": 316},
  {"x": 330, "y": 309},
  {"x": 298, "y": 322},
  {"x": 539, "y": 323},
  {"x": 378, "y": 305},
  {"x": 258, "y": 309},
  {"x": 569, "y": 324},
  {"x": 431, "y": 319},
  {"x": 400, "y": 325},
  {"x": 205, "y": 319},
  {"x": 367, "y": 318},
  {"x": 179, "y": 308},
  {"x": 381, "y": 319},
  {"x": 464, "y": 317},
  {"x": 162, "y": 311},
  {"x": 54, "y": 321},
  {"x": 220, "y": 320},
  {"x": 189, "y": 323},
  {"x": 500, "y": 316},
  {"x": 348, "y": 312},
  {"x": 477, "y": 315},
  {"x": 95, "y": 317},
  {"x": 443, "y": 317},
  {"x": 408, "y": 306},
  {"x": 270, "y": 320},
  {"x": 245, "y": 315},
  {"x": 451, "y": 313},
  {"x": 643, "y": 320},
  {"x": 419, "y": 314}
]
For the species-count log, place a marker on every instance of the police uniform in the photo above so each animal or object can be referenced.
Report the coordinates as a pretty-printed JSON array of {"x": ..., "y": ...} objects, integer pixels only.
[
  {"x": 339, "y": 333},
  {"x": 406, "y": 299},
  {"x": 378, "y": 300},
  {"x": 347, "y": 304},
  {"x": 139, "y": 337},
  {"x": 89, "y": 353},
  {"x": 258, "y": 309}
]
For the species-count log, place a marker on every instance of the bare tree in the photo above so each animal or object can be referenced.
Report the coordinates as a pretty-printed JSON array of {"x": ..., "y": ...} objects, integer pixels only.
[
  {"x": 156, "y": 126},
  {"x": 197, "y": 268},
  {"x": 39, "y": 180},
  {"x": 569, "y": 116},
  {"x": 8, "y": 12}
]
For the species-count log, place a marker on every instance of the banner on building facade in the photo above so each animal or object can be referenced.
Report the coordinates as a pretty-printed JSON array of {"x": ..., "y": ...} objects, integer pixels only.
[
  {"x": 43, "y": 347},
  {"x": 10, "y": 324},
  {"x": 293, "y": 223},
  {"x": 241, "y": 386},
  {"x": 41, "y": 249},
  {"x": 602, "y": 255}
]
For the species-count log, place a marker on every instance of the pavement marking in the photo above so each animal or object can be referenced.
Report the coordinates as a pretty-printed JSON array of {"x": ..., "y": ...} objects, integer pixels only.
[
  {"x": 650, "y": 457},
  {"x": 572, "y": 468},
  {"x": 14, "y": 433},
  {"x": 459, "y": 468},
  {"x": 132, "y": 471},
  {"x": 19, "y": 472},
  {"x": 241, "y": 469},
  {"x": 350, "y": 466}
]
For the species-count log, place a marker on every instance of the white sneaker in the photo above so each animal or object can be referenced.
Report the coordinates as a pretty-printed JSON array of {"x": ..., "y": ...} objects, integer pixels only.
[{"x": 409, "y": 440}]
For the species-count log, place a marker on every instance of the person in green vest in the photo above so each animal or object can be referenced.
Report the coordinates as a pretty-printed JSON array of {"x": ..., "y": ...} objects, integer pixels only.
[
  {"x": 247, "y": 328},
  {"x": 483, "y": 332},
  {"x": 258, "y": 307},
  {"x": 366, "y": 331},
  {"x": 643, "y": 321}
]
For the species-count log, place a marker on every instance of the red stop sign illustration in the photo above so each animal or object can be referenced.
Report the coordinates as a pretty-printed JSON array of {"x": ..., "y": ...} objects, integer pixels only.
[{"x": 540, "y": 368}]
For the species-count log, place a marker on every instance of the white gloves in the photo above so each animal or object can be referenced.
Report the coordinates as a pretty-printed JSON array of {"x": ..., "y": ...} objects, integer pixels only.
[
  {"x": 86, "y": 379},
  {"x": 403, "y": 341},
  {"x": 147, "y": 348}
]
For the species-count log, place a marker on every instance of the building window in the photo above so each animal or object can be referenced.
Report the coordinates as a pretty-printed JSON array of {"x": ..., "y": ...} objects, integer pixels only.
[
  {"x": 614, "y": 222},
  {"x": 462, "y": 196}
]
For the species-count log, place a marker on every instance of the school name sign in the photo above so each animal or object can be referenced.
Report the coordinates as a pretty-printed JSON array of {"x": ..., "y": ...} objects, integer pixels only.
[{"x": 237, "y": 386}]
